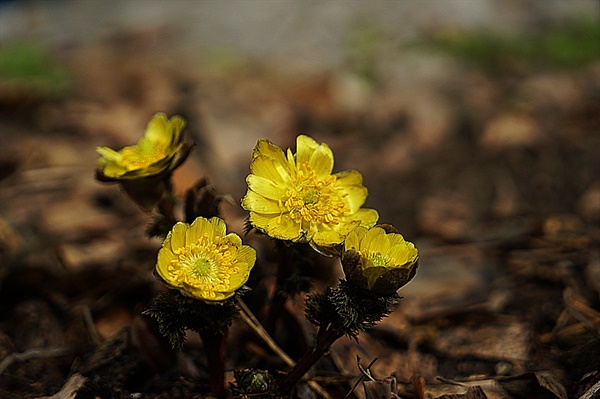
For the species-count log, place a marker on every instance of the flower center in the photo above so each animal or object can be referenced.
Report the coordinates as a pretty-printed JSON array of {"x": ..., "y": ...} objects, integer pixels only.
[
  {"x": 206, "y": 265},
  {"x": 136, "y": 157},
  {"x": 376, "y": 258},
  {"x": 311, "y": 199}
]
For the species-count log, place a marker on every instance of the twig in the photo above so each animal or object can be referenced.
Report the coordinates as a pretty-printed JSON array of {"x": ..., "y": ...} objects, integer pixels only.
[
  {"x": 581, "y": 312},
  {"x": 591, "y": 393},
  {"x": 253, "y": 323},
  {"x": 35, "y": 353},
  {"x": 89, "y": 322},
  {"x": 452, "y": 382},
  {"x": 364, "y": 373}
]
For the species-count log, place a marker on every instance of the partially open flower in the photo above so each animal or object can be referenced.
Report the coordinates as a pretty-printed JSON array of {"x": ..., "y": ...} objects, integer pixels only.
[
  {"x": 297, "y": 198},
  {"x": 377, "y": 260},
  {"x": 202, "y": 261},
  {"x": 159, "y": 151}
]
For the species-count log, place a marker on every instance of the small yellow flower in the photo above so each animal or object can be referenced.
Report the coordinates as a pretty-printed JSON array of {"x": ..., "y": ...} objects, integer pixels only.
[
  {"x": 295, "y": 197},
  {"x": 160, "y": 150},
  {"x": 202, "y": 261},
  {"x": 378, "y": 260}
]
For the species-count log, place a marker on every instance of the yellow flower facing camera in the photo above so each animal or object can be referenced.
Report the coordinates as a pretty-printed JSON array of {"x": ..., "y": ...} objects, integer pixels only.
[
  {"x": 202, "y": 261},
  {"x": 296, "y": 197}
]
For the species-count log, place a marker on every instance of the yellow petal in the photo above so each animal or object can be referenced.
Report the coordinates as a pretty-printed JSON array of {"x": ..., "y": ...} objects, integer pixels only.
[
  {"x": 366, "y": 217},
  {"x": 165, "y": 256},
  {"x": 270, "y": 169},
  {"x": 404, "y": 254},
  {"x": 265, "y": 187},
  {"x": 356, "y": 196},
  {"x": 176, "y": 125},
  {"x": 281, "y": 227},
  {"x": 258, "y": 203},
  {"x": 305, "y": 146},
  {"x": 327, "y": 238},
  {"x": 370, "y": 235},
  {"x": 238, "y": 279},
  {"x": 321, "y": 161},
  {"x": 147, "y": 171},
  {"x": 218, "y": 227},
  {"x": 396, "y": 239},
  {"x": 345, "y": 227},
  {"x": 247, "y": 255},
  {"x": 110, "y": 154},
  {"x": 267, "y": 149},
  {"x": 205, "y": 295},
  {"x": 353, "y": 239},
  {"x": 349, "y": 178},
  {"x": 380, "y": 242},
  {"x": 176, "y": 236},
  {"x": 234, "y": 241},
  {"x": 113, "y": 170},
  {"x": 291, "y": 160},
  {"x": 157, "y": 129},
  {"x": 196, "y": 231}
]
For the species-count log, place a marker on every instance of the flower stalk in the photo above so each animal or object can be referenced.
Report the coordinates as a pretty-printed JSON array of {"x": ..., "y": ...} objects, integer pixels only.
[
  {"x": 326, "y": 336},
  {"x": 215, "y": 349}
]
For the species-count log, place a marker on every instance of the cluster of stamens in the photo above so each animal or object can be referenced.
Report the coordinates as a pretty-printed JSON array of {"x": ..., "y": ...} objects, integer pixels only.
[
  {"x": 376, "y": 258},
  {"x": 137, "y": 159},
  {"x": 207, "y": 265},
  {"x": 311, "y": 199}
]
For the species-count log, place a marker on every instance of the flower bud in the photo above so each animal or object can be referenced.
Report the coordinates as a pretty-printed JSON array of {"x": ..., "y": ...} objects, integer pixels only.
[{"x": 379, "y": 260}]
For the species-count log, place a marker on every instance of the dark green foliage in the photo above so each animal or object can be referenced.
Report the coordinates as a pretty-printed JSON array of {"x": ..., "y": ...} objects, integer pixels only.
[
  {"x": 349, "y": 309},
  {"x": 165, "y": 309},
  {"x": 175, "y": 313},
  {"x": 31, "y": 66},
  {"x": 570, "y": 44}
]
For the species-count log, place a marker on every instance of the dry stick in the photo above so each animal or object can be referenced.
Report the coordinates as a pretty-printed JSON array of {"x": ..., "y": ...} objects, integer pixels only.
[
  {"x": 364, "y": 373},
  {"x": 581, "y": 312},
  {"x": 89, "y": 322},
  {"x": 35, "y": 353},
  {"x": 252, "y": 322},
  {"x": 590, "y": 393}
]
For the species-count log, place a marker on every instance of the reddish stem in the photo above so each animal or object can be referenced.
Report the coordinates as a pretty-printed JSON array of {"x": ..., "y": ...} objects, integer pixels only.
[
  {"x": 325, "y": 338},
  {"x": 214, "y": 347}
]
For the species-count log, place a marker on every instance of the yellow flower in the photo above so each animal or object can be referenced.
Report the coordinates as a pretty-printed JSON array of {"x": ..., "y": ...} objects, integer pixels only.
[
  {"x": 295, "y": 197},
  {"x": 378, "y": 260},
  {"x": 160, "y": 150},
  {"x": 202, "y": 261}
]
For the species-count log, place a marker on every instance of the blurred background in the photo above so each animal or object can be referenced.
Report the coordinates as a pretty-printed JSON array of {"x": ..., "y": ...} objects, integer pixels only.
[
  {"x": 474, "y": 123},
  {"x": 425, "y": 98}
]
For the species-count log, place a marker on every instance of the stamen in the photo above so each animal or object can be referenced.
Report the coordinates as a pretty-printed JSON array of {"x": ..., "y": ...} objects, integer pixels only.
[
  {"x": 312, "y": 199},
  {"x": 207, "y": 264}
]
